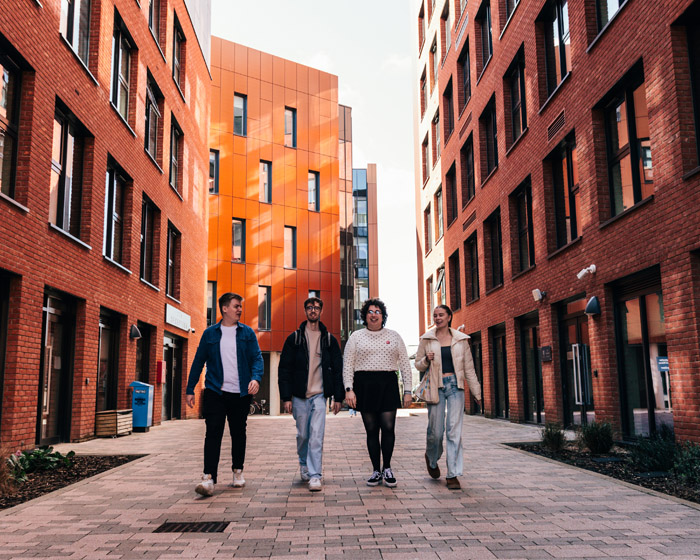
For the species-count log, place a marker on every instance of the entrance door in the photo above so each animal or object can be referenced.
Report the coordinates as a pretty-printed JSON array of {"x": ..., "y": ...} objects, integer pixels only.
[
  {"x": 475, "y": 345},
  {"x": 500, "y": 371},
  {"x": 576, "y": 360},
  {"x": 532, "y": 371},
  {"x": 107, "y": 374},
  {"x": 172, "y": 387},
  {"x": 4, "y": 305},
  {"x": 55, "y": 383}
]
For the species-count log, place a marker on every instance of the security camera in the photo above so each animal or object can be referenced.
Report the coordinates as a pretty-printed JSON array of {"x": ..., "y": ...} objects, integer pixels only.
[
  {"x": 538, "y": 295},
  {"x": 584, "y": 271},
  {"x": 192, "y": 330},
  {"x": 460, "y": 328}
]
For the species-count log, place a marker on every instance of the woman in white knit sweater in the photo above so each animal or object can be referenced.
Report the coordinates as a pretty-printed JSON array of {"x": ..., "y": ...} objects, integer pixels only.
[{"x": 372, "y": 356}]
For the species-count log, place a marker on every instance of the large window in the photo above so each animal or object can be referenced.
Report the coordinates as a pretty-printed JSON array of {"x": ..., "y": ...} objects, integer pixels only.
[
  {"x": 75, "y": 26},
  {"x": 66, "y": 186},
  {"x": 423, "y": 94},
  {"x": 425, "y": 159},
  {"x": 455, "y": 284},
  {"x": 154, "y": 101},
  {"x": 483, "y": 25},
  {"x": 630, "y": 169},
  {"x": 465, "y": 78},
  {"x": 211, "y": 303},
  {"x": 466, "y": 170},
  {"x": 429, "y": 299},
  {"x": 451, "y": 189},
  {"x": 264, "y": 308},
  {"x": 510, "y": 7},
  {"x": 557, "y": 42},
  {"x": 567, "y": 199},
  {"x": 176, "y": 150},
  {"x": 10, "y": 81},
  {"x": 240, "y": 114},
  {"x": 606, "y": 9},
  {"x": 238, "y": 240},
  {"x": 290, "y": 247},
  {"x": 314, "y": 191},
  {"x": 213, "y": 171},
  {"x": 122, "y": 46},
  {"x": 489, "y": 137},
  {"x": 435, "y": 64},
  {"x": 149, "y": 217},
  {"x": 438, "y": 214},
  {"x": 693, "y": 36},
  {"x": 178, "y": 53},
  {"x": 154, "y": 18},
  {"x": 172, "y": 277},
  {"x": 448, "y": 110},
  {"x": 265, "y": 181},
  {"x": 115, "y": 193},
  {"x": 428, "y": 229},
  {"x": 521, "y": 203},
  {"x": 447, "y": 27},
  {"x": 290, "y": 127},
  {"x": 471, "y": 265},
  {"x": 437, "y": 144},
  {"x": 515, "y": 79},
  {"x": 441, "y": 287},
  {"x": 495, "y": 249}
]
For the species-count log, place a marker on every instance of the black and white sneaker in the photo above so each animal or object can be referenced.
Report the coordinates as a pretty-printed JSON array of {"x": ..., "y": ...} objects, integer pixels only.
[
  {"x": 375, "y": 479},
  {"x": 388, "y": 476}
]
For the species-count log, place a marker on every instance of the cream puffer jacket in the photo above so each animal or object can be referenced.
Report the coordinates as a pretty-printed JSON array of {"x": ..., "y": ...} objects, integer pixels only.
[{"x": 461, "y": 358}]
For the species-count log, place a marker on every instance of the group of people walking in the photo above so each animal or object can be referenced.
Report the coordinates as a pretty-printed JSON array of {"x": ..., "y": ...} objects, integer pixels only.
[{"x": 312, "y": 369}]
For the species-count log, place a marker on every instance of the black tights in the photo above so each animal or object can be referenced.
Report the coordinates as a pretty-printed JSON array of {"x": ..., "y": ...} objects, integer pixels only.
[{"x": 374, "y": 422}]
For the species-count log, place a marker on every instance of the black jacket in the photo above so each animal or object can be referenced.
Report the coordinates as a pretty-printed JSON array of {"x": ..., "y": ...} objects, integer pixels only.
[{"x": 293, "y": 372}]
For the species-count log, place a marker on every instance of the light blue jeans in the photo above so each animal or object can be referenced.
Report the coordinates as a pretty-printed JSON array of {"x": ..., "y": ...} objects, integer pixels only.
[
  {"x": 310, "y": 415},
  {"x": 450, "y": 409}
]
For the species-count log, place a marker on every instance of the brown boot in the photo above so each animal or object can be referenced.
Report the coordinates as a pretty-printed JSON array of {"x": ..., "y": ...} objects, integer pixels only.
[
  {"x": 453, "y": 484},
  {"x": 432, "y": 471}
]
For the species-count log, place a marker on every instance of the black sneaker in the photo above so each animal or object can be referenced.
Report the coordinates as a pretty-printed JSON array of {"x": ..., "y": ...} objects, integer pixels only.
[
  {"x": 388, "y": 476},
  {"x": 375, "y": 479}
]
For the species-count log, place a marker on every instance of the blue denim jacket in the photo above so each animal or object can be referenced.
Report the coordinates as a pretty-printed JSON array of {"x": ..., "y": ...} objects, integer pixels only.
[{"x": 250, "y": 362}]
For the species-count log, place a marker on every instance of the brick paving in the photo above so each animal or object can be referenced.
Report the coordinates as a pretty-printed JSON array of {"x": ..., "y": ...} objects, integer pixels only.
[{"x": 512, "y": 505}]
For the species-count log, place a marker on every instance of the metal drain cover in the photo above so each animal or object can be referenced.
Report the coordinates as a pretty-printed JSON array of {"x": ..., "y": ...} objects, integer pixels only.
[{"x": 192, "y": 527}]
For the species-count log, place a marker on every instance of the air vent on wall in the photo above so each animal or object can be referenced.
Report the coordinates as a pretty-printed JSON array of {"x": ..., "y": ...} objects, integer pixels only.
[
  {"x": 556, "y": 126},
  {"x": 469, "y": 221},
  {"x": 465, "y": 125}
]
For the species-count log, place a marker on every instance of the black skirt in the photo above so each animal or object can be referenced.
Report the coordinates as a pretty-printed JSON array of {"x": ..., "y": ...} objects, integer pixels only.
[{"x": 377, "y": 391}]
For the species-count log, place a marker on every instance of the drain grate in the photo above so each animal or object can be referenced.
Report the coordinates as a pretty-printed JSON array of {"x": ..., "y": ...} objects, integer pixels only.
[{"x": 192, "y": 527}]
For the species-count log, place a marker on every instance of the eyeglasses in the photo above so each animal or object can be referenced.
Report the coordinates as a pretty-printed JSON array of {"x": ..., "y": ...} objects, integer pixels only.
[
  {"x": 374, "y": 312},
  {"x": 313, "y": 308}
]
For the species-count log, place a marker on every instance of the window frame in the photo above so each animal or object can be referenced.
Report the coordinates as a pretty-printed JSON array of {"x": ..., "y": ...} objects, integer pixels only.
[
  {"x": 241, "y": 222},
  {"x": 489, "y": 120},
  {"x": 265, "y": 190},
  {"x": 518, "y": 109},
  {"x": 152, "y": 101},
  {"x": 265, "y": 325},
  {"x": 11, "y": 126},
  {"x": 293, "y": 133},
  {"x": 178, "y": 52},
  {"x": 439, "y": 214},
  {"x": 176, "y": 148},
  {"x": 483, "y": 17},
  {"x": 290, "y": 261},
  {"x": 214, "y": 179},
  {"x": 244, "y": 117},
  {"x": 471, "y": 265},
  {"x": 154, "y": 19},
  {"x": 554, "y": 14},
  {"x": 451, "y": 192},
  {"x": 70, "y": 27},
  {"x": 317, "y": 191},
  {"x": 448, "y": 110},
  {"x": 464, "y": 69},
  {"x": 467, "y": 171},
  {"x": 455, "y": 287},
  {"x": 114, "y": 219},
  {"x": 565, "y": 189},
  {"x": 524, "y": 230},
  {"x": 495, "y": 234},
  {"x": 428, "y": 228},
  {"x": 122, "y": 44},
  {"x": 149, "y": 216},
  {"x": 172, "y": 262}
]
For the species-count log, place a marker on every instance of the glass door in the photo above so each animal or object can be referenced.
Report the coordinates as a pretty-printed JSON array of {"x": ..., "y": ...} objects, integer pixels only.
[
  {"x": 172, "y": 385},
  {"x": 475, "y": 344},
  {"x": 500, "y": 372},
  {"x": 108, "y": 352},
  {"x": 576, "y": 370},
  {"x": 532, "y": 372}
]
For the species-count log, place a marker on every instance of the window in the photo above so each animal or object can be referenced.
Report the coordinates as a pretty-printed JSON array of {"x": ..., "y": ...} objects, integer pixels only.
[
  {"x": 10, "y": 81},
  {"x": 421, "y": 28},
  {"x": 471, "y": 255},
  {"x": 495, "y": 249},
  {"x": 606, "y": 9},
  {"x": 451, "y": 189},
  {"x": 314, "y": 191},
  {"x": 154, "y": 18},
  {"x": 516, "y": 88},
  {"x": 290, "y": 127},
  {"x": 423, "y": 94},
  {"x": 440, "y": 290},
  {"x": 178, "y": 53},
  {"x": 693, "y": 37},
  {"x": 630, "y": 169},
  {"x": 455, "y": 284},
  {"x": 447, "y": 28},
  {"x": 238, "y": 240},
  {"x": 428, "y": 229},
  {"x": 510, "y": 7},
  {"x": 75, "y": 26},
  {"x": 149, "y": 216},
  {"x": 240, "y": 114},
  {"x": 121, "y": 68},
  {"x": 521, "y": 204},
  {"x": 425, "y": 159},
  {"x": 483, "y": 24},
  {"x": 265, "y": 181},
  {"x": 213, "y": 171},
  {"x": 211, "y": 303},
  {"x": 175, "y": 155},
  {"x": 489, "y": 136},
  {"x": 154, "y": 100},
  {"x": 429, "y": 299},
  {"x": 567, "y": 203},
  {"x": 448, "y": 110},
  {"x": 264, "y": 308},
  {"x": 290, "y": 247},
  {"x": 467, "y": 170},
  {"x": 172, "y": 277},
  {"x": 435, "y": 64},
  {"x": 66, "y": 187},
  {"x": 438, "y": 213},
  {"x": 436, "y": 137},
  {"x": 557, "y": 43},
  {"x": 115, "y": 193},
  {"x": 465, "y": 79}
]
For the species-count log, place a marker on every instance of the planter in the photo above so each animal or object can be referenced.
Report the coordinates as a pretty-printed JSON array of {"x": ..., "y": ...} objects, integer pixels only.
[{"x": 111, "y": 423}]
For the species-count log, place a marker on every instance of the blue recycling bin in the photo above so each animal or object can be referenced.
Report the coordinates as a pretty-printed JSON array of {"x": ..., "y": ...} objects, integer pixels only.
[{"x": 142, "y": 406}]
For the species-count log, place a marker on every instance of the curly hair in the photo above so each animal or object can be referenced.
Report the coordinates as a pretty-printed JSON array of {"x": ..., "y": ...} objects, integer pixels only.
[{"x": 376, "y": 302}]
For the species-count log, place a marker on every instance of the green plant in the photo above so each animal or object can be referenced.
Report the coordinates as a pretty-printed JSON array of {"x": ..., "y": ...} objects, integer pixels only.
[
  {"x": 597, "y": 437},
  {"x": 686, "y": 465},
  {"x": 655, "y": 453},
  {"x": 43, "y": 458},
  {"x": 553, "y": 437},
  {"x": 6, "y": 479}
]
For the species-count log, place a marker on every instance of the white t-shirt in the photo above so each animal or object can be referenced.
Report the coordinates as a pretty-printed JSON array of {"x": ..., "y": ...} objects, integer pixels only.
[{"x": 229, "y": 359}]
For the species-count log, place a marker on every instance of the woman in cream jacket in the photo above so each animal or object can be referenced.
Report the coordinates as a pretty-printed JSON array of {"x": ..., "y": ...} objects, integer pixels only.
[{"x": 444, "y": 352}]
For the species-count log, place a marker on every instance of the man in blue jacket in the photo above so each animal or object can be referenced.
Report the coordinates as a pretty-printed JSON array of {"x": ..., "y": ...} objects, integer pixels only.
[{"x": 234, "y": 371}]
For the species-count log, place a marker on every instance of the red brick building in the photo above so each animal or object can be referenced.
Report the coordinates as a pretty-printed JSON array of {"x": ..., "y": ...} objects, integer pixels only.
[
  {"x": 567, "y": 138},
  {"x": 104, "y": 146}
]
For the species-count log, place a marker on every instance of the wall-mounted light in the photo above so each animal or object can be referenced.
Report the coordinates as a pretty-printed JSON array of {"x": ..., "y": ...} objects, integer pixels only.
[
  {"x": 538, "y": 295},
  {"x": 134, "y": 333},
  {"x": 592, "y": 307},
  {"x": 585, "y": 271}
]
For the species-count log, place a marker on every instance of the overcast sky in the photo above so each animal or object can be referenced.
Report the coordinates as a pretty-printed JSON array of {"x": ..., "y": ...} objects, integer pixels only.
[{"x": 368, "y": 45}]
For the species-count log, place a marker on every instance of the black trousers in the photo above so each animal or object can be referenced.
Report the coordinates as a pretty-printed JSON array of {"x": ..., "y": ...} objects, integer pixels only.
[{"x": 216, "y": 409}]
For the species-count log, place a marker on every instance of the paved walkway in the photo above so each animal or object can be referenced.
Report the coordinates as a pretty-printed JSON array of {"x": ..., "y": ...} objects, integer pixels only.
[{"x": 512, "y": 506}]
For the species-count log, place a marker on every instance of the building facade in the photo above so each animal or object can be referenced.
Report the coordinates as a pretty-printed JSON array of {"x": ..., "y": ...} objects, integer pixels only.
[
  {"x": 570, "y": 165},
  {"x": 273, "y": 195},
  {"x": 103, "y": 122}
]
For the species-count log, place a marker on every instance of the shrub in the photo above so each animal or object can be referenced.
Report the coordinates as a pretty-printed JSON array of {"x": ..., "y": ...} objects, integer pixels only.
[
  {"x": 686, "y": 465},
  {"x": 553, "y": 437},
  {"x": 655, "y": 453},
  {"x": 597, "y": 437},
  {"x": 6, "y": 479},
  {"x": 43, "y": 458}
]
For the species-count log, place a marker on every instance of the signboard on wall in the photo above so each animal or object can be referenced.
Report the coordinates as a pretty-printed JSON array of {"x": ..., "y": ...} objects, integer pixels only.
[{"x": 177, "y": 318}]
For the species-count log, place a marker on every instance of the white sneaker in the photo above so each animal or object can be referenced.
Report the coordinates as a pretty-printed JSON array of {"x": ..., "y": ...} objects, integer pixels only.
[
  {"x": 315, "y": 484},
  {"x": 206, "y": 487},
  {"x": 238, "y": 480},
  {"x": 304, "y": 473}
]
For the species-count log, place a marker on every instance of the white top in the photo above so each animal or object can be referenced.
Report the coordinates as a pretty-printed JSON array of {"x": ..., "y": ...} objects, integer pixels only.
[
  {"x": 229, "y": 359},
  {"x": 382, "y": 350}
]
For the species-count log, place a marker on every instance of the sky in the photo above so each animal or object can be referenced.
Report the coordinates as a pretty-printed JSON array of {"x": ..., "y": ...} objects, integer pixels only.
[{"x": 368, "y": 45}]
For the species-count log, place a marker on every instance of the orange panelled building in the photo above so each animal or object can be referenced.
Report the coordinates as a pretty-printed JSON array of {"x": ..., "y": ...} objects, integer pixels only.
[{"x": 273, "y": 204}]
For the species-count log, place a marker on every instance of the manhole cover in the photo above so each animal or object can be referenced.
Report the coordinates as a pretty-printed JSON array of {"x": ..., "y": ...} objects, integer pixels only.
[{"x": 192, "y": 527}]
